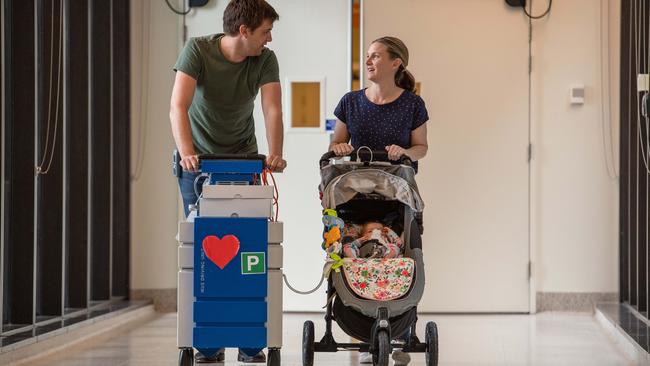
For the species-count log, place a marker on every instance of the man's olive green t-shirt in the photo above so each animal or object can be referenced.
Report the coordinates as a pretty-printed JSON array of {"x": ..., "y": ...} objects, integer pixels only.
[{"x": 221, "y": 114}]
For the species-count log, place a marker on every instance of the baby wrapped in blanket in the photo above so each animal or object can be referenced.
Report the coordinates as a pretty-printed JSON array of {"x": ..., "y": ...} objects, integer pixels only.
[{"x": 371, "y": 240}]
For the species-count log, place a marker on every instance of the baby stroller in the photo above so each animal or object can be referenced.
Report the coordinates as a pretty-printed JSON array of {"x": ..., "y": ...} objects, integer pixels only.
[{"x": 370, "y": 187}]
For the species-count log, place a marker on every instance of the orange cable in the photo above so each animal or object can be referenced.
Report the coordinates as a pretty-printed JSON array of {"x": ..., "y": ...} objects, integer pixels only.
[
  {"x": 276, "y": 193},
  {"x": 276, "y": 196}
]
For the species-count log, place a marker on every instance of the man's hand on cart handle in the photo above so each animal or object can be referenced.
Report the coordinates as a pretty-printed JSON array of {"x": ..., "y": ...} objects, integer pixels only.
[
  {"x": 275, "y": 163},
  {"x": 190, "y": 162}
]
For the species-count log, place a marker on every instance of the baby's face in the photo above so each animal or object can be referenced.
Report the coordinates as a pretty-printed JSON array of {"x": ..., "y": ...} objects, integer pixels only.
[{"x": 369, "y": 227}]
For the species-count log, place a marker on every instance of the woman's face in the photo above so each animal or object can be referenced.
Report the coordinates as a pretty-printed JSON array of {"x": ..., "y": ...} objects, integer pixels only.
[{"x": 379, "y": 65}]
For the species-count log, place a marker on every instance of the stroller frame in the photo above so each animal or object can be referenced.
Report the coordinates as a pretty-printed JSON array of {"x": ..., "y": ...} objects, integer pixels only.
[
  {"x": 329, "y": 344},
  {"x": 380, "y": 344}
]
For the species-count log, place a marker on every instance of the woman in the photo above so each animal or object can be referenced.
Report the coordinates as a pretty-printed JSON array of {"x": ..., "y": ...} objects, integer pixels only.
[{"x": 387, "y": 115}]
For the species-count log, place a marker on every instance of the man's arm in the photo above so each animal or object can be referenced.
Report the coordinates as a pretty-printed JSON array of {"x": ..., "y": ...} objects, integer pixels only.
[
  {"x": 182, "y": 94},
  {"x": 272, "y": 109}
]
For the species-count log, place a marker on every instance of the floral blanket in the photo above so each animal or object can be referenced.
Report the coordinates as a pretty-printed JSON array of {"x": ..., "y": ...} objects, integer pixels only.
[{"x": 380, "y": 279}]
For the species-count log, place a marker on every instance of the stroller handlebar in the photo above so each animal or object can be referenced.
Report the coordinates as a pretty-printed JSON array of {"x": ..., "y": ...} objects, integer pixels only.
[{"x": 365, "y": 155}]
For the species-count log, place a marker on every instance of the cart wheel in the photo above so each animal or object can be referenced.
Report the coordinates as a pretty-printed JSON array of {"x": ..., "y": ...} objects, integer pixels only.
[
  {"x": 186, "y": 357},
  {"x": 274, "y": 357},
  {"x": 431, "y": 339},
  {"x": 381, "y": 353},
  {"x": 308, "y": 343}
]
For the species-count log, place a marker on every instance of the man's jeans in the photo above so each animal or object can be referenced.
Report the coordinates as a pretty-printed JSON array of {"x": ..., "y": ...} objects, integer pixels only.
[{"x": 186, "y": 185}]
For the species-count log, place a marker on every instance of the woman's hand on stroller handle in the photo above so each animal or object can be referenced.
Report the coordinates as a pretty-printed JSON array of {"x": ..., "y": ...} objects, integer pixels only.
[
  {"x": 342, "y": 149},
  {"x": 395, "y": 152},
  {"x": 366, "y": 155}
]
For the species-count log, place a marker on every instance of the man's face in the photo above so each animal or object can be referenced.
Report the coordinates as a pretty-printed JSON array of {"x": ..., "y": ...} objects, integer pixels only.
[{"x": 257, "y": 39}]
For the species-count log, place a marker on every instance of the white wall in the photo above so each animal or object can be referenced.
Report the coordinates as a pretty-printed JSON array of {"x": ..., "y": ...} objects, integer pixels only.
[
  {"x": 310, "y": 41},
  {"x": 154, "y": 34},
  {"x": 575, "y": 202},
  {"x": 474, "y": 179}
]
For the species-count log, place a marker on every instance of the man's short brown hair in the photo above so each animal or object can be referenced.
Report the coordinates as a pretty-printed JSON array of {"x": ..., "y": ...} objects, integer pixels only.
[{"x": 250, "y": 13}]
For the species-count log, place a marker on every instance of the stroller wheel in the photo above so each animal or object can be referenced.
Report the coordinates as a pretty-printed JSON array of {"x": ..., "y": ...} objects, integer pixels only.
[
  {"x": 186, "y": 357},
  {"x": 308, "y": 343},
  {"x": 431, "y": 339},
  {"x": 274, "y": 357},
  {"x": 381, "y": 353}
]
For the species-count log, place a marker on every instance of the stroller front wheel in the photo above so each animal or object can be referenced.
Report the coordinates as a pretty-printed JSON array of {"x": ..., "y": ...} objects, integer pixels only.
[
  {"x": 382, "y": 351},
  {"x": 431, "y": 339},
  {"x": 308, "y": 343}
]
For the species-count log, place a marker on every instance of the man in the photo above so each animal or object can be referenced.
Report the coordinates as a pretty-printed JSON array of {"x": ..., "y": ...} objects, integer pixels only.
[{"x": 217, "y": 79}]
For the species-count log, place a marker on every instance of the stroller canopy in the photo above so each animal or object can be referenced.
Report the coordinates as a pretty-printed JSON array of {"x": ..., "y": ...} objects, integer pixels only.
[{"x": 345, "y": 187}]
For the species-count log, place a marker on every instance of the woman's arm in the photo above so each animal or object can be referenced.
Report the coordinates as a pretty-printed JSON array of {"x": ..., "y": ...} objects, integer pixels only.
[
  {"x": 340, "y": 140},
  {"x": 419, "y": 145}
]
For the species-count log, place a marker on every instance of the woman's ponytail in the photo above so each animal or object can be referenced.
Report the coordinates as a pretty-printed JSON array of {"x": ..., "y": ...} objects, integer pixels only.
[{"x": 404, "y": 79}]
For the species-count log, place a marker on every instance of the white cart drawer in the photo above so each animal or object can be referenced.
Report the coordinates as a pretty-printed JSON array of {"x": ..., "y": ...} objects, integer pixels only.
[
  {"x": 275, "y": 232},
  {"x": 235, "y": 207},
  {"x": 275, "y": 256},
  {"x": 236, "y": 191},
  {"x": 185, "y": 232},
  {"x": 186, "y": 256}
]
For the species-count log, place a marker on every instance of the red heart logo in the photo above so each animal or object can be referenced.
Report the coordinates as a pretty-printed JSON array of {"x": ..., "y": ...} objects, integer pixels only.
[{"x": 221, "y": 251}]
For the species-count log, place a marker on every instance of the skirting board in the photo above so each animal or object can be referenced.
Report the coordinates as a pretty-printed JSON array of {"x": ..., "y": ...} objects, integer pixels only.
[
  {"x": 572, "y": 301},
  {"x": 164, "y": 300}
]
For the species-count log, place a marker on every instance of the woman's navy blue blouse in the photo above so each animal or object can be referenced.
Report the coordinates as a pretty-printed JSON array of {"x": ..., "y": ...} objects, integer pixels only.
[{"x": 381, "y": 125}]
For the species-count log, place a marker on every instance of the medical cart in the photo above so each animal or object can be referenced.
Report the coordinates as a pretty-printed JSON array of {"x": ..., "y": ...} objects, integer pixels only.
[{"x": 230, "y": 262}]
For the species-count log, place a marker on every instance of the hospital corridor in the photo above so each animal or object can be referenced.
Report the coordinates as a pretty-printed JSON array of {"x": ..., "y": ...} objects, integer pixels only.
[{"x": 325, "y": 182}]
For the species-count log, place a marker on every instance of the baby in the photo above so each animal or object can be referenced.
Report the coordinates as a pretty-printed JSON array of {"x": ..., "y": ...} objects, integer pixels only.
[{"x": 371, "y": 240}]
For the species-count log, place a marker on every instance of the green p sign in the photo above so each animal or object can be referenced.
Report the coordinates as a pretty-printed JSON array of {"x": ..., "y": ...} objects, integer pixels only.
[{"x": 253, "y": 263}]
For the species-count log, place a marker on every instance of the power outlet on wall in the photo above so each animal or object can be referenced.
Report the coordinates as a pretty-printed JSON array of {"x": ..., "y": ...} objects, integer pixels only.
[{"x": 516, "y": 3}]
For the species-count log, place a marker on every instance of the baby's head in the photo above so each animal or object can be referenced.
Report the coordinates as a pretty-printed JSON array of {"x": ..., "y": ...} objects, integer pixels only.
[{"x": 369, "y": 226}]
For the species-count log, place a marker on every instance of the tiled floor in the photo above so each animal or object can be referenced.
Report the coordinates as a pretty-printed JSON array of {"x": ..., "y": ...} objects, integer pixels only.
[{"x": 553, "y": 339}]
